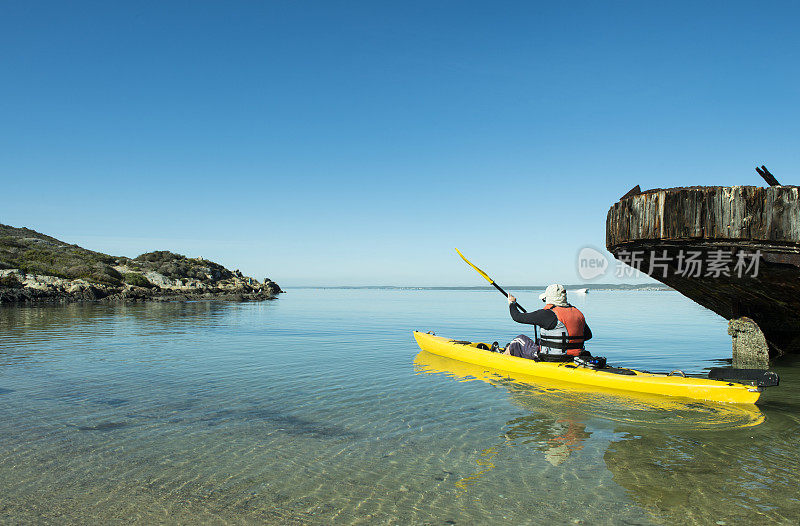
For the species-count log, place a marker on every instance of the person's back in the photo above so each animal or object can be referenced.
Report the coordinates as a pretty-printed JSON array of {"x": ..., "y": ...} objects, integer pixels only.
[
  {"x": 567, "y": 336},
  {"x": 563, "y": 326}
]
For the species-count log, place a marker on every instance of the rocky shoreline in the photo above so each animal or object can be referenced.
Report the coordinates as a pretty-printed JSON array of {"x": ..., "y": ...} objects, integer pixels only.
[
  {"x": 38, "y": 289},
  {"x": 39, "y": 269}
]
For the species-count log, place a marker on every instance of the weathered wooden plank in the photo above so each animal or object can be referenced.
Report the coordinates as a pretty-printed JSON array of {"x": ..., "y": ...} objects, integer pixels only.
[{"x": 713, "y": 213}]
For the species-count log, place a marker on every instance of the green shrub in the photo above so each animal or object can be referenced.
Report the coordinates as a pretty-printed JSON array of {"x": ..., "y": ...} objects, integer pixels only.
[
  {"x": 111, "y": 271},
  {"x": 136, "y": 279},
  {"x": 128, "y": 262},
  {"x": 79, "y": 272},
  {"x": 11, "y": 281},
  {"x": 38, "y": 257},
  {"x": 159, "y": 256},
  {"x": 9, "y": 241},
  {"x": 103, "y": 273},
  {"x": 177, "y": 266},
  {"x": 105, "y": 279},
  {"x": 41, "y": 267}
]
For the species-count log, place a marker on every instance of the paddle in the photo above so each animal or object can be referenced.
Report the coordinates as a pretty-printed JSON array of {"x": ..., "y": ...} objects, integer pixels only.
[{"x": 490, "y": 280}]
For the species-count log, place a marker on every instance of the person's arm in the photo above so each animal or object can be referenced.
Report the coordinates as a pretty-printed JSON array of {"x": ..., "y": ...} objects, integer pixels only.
[
  {"x": 587, "y": 332},
  {"x": 544, "y": 318}
]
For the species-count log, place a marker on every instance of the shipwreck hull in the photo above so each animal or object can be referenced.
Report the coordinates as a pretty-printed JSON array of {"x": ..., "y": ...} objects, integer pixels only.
[{"x": 755, "y": 230}]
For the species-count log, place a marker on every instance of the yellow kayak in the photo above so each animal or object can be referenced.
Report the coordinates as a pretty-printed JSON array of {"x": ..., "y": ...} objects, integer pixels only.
[
  {"x": 604, "y": 378},
  {"x": 556, "y": 398}
]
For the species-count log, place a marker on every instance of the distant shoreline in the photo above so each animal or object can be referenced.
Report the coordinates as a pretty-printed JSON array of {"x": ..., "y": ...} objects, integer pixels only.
[{"x": 570, "y": 288}]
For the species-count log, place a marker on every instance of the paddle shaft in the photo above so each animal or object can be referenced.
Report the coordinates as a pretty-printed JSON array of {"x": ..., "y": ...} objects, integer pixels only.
[
  {"x": 498, "y": 287},
  {"x": 487, "y": 278}
]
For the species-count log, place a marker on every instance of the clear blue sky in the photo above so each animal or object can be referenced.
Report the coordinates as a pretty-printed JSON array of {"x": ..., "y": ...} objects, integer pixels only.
[{"x": 324, "y": 143}]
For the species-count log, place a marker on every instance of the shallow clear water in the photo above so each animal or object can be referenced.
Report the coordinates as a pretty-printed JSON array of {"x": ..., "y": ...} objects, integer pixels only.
[{"x": 318, "y": 408}]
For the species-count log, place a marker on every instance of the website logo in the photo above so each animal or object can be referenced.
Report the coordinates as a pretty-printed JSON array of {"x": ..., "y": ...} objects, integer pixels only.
[{"x": 591, "y": 263}]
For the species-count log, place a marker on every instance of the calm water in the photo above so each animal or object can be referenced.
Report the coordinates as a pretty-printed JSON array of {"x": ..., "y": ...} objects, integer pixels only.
[{"x": 317, "y": 408}]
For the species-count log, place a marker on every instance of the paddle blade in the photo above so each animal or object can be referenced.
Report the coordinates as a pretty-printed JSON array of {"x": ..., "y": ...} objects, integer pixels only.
[{"x": 482, "y": 273}]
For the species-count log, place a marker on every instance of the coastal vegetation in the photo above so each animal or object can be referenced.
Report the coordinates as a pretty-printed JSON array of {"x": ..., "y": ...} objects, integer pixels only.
[
  {"x": 36, "y": 267},
  {"x": 10, "y": 281}
]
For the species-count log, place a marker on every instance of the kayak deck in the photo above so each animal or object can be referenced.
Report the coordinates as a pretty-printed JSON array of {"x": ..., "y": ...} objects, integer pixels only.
[{"x": 622, "y": 379}]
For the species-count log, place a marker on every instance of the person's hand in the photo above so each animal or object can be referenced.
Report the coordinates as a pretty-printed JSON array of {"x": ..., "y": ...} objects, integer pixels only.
[{"x": 511, "y": 299}]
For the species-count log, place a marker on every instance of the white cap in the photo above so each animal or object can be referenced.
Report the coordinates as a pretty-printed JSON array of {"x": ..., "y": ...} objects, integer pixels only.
[{"x": 555, "y": 294}]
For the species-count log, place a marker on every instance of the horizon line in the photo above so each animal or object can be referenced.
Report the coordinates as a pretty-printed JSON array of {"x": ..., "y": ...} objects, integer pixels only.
[{"x": 484, "y": 287}]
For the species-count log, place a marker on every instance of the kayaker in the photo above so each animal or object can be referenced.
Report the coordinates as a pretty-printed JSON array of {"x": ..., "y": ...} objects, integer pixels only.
[{"x": 563, "y": 327}]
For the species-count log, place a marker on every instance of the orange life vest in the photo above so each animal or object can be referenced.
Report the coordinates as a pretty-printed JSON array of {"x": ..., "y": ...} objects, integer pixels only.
[{"x": 567, "y": 336}]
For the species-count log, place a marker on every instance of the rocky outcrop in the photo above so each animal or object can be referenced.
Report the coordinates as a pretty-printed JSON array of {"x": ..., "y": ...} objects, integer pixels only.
[
  {"x": 35, "y": 268},
  {"x": 19, "y": 287}
]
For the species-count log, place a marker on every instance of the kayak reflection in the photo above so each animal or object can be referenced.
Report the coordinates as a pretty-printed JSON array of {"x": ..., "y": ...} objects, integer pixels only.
[
  {"x": 680, "y": 460},
  {"x": 561, "y": 416},
  {"x": 557, "y": 399}
]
